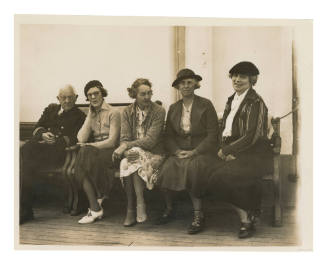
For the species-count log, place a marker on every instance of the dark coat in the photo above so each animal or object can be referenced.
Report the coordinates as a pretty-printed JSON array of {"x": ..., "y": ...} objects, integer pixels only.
[
  {"x": 204, "y": 127},
  {"x": 36, "y": 155},
  {"x": 65, "y": 126},
  {"x": 250, "y": 125},
  {"x": 238, "y": 181}
]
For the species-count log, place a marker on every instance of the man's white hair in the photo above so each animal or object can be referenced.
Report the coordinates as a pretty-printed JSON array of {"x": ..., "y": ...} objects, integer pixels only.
[{"x": 67, "y": 87}]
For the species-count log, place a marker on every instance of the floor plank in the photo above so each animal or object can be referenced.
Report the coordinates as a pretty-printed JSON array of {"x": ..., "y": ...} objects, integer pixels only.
[{"x": 52, "y": 227}]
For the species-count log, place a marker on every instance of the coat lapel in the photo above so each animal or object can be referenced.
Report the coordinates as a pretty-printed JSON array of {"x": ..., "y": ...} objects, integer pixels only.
[
  {"x": 176, "y": 116},
  {"x": 196, "y": 113},
  {"x": 247, "y": 97}
]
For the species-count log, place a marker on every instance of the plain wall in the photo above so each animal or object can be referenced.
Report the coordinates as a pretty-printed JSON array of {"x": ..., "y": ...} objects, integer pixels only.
[
  {"x": 54, "y": 55},
  {"x": 212, "y": 51}
]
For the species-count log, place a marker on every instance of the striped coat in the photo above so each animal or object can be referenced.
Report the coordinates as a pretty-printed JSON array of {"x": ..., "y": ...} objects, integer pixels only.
[{"x": 250, "y": 124}]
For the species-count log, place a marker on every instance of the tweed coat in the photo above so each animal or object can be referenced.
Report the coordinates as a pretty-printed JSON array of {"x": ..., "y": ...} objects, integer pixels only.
[{"x": 153, "y": 126}]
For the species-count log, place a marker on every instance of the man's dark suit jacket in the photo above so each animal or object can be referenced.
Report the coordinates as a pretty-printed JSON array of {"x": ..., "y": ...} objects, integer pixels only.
[
  {"x": 65, "y": 125},
  {"x": 35, "y": 153}
]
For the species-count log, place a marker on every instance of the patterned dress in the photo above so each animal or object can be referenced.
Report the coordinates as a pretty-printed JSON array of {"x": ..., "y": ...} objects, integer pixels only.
[{"x": 148, "y": 164}]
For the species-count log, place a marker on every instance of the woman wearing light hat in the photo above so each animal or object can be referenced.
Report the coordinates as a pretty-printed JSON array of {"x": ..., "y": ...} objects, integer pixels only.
[
  {"x": 191, "y": 137},
  {"x": 245, "y": 154}
]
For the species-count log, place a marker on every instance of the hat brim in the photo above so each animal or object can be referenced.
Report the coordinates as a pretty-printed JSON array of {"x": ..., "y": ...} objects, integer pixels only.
[{"x": 197, "y": 77}]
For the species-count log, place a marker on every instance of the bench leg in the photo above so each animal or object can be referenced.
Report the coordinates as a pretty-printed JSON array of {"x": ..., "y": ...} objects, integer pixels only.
[
  {"x": 73, "y": 187},
  {"x": 67, "y": 185},
  {"x": 75, "y": 207},
  {"x": 277, "y": 208},
  {"x": 68, "y": 197}
]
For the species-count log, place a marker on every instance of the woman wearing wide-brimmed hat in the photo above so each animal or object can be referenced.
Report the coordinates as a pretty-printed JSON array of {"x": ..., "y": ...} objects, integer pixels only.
[
  {"x": 191, "y": 136},
  {"x": 245, "y": 155}
]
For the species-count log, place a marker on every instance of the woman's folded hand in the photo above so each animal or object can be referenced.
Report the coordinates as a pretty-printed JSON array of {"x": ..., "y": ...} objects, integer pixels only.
[
  {"x": 118, "y": 153},
  {"x": 185, "y": 154},
  {"x": 230, "y": 157},
  {"x": 132, "y": 156}
]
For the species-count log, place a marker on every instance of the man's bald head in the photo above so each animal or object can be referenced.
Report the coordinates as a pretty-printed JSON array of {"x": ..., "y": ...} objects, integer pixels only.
[
  {"x": 67, "y": 88},
  {"x": 67, "y": 97}
]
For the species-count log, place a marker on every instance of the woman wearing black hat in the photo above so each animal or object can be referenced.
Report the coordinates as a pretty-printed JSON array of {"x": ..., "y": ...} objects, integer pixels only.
[
  {"x": 191, "y": 136},
  {"x": 98, "y": 138},
  {"x": 245, "y": 155}
]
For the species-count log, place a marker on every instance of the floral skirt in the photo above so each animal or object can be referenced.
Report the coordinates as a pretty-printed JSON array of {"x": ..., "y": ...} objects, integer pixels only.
[{"x": 147, "y": 166}]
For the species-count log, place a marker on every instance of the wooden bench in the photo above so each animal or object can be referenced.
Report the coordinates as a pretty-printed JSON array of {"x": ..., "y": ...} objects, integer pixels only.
[{"x": 67, "y": 170}]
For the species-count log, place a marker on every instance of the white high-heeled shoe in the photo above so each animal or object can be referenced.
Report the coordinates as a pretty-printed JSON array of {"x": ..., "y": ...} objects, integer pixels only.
[{"x": 91, "y": 217}]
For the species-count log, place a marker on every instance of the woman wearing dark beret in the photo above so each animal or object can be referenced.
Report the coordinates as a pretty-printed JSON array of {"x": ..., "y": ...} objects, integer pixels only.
[
  {"x": 191, "y": 136},
  {"x": 98, "y": 138},
  {"x": 245, "y": 155},
  {"x": 141, "y": 147}
]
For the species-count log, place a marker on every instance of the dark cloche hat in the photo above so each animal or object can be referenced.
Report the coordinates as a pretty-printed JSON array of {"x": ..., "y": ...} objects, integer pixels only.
[
  {"x": 244, "y": 68},
  {"x": 185, "y": 74},
  {"x": 91, "y": 84}
]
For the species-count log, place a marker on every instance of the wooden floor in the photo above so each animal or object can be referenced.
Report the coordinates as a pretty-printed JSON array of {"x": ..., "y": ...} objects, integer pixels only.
[{"x": 52, "y": 227}]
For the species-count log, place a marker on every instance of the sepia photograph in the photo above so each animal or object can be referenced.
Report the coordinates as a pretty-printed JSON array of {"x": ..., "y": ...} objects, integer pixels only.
[{"x": 162, "y": 133}]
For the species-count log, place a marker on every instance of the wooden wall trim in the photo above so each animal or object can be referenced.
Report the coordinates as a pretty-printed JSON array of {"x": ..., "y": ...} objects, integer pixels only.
[{"x": 179, "y": 51}]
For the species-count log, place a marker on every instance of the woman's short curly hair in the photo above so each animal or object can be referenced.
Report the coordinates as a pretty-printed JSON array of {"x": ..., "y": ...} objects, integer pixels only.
[
  {"x": 92, "y": 84},
  {"x": 132, "y": 91},
  {"x": 253, "y": 79}
]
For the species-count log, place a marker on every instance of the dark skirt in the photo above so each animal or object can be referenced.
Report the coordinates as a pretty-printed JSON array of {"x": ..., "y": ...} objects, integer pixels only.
[
  {"x": 239, "y": 181},
  {"x": 96, "y": 165},
  {"x": 184, "y": 174}
]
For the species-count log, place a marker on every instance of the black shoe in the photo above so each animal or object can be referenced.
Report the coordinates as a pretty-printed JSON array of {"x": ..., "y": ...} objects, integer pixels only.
[
  {"x": 197, "y": 225},
  {"x": 166, "y": 217},
  {"x": 246, "y": 230},
  {"x": 75, "y": 212},
  {"x": 66, "y": 209},
  {"x": 26, "y": 216}
]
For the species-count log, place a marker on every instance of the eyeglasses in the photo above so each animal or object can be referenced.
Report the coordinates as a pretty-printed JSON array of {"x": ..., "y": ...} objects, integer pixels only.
[
  {"x": 95, "y": 94},
  {"x": 142, "y": 94},
  {"x": 64, "y": 98}
]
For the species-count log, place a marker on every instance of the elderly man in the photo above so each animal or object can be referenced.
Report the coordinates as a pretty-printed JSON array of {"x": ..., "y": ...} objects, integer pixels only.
[{"x": 56, "y": 129}]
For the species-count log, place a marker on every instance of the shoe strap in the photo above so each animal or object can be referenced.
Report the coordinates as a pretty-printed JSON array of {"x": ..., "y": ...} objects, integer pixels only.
[{"x": 196, "y": 220}]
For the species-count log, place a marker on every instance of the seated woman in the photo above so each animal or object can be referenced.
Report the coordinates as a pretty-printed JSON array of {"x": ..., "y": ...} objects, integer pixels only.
[
  {"x": 94, "y": 169},
  {"x": 191, "y": 137},
  {"x": 141, "y": 145},
  {"x": 245, "y": 155}
]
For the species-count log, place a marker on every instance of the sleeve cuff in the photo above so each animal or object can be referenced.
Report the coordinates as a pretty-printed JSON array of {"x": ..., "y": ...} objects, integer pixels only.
[
  {"x": 38, "y": 132},
  {"x": 197, "y": 152},
  {"x": 226, "y": 151}
]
